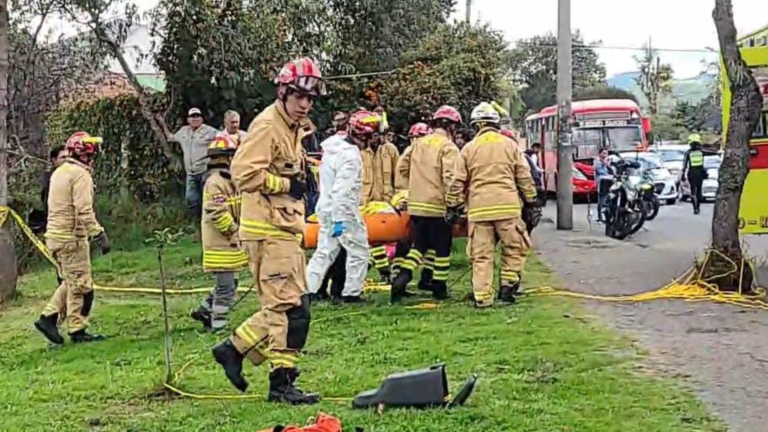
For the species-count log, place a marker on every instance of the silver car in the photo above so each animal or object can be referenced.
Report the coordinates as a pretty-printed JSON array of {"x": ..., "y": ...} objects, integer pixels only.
[
  {"x": 711, "y": 183},
  {"x": 664, "y": 182}
]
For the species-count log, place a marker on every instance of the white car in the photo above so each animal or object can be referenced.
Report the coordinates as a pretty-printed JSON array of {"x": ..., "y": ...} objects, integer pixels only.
[
  {"x": 672, "y": 156},
  {"x": 664, "y": 182},
  {"x": 711, "y": 183}
]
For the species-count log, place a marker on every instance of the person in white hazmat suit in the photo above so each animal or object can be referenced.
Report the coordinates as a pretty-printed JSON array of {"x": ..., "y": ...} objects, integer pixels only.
[{"x": 338, "y": 209}]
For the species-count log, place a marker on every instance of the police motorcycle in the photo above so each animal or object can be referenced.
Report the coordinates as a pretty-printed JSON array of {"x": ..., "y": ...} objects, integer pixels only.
[{"x": 630, "y": 199}]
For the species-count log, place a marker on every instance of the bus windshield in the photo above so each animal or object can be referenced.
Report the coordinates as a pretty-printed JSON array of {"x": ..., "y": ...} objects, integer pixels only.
[
  {"x": 618, "y": 138},
  {"x": 623, "y": 137}
]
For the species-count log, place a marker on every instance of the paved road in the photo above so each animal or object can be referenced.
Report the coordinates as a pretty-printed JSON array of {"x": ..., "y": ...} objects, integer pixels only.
[{"x": 721, "y": 348}]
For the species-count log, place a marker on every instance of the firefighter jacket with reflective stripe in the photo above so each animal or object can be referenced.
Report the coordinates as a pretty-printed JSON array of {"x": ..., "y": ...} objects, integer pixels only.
[
  {"x": 70, "y": 203},
  {"x": 262, "y": 167},
  {"x": 379, "y": 170},
  {"x": 492, "y": 169},
  {"x": 219, "y": 225},
  {"x": 427, "y": 169}
]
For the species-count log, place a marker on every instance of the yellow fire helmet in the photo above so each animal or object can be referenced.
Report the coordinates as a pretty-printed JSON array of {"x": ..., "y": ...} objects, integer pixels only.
[{"x": 399, "y": 198}]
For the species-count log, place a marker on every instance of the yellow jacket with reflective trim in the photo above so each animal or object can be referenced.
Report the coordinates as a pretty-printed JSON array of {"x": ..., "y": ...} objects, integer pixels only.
[
  {"x": 492, "y": 170},
  {"x": 426, "y": 169},
  {"x": 70, "y": 203},
  {"x": 219, "y": 225},
  {"x": 269, "y": 155},
  {"x": 379, "y": 170}
]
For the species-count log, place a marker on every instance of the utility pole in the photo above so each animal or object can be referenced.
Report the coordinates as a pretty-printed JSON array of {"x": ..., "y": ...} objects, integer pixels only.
[
  {"x": 564, "y": 94},
  {"x": 469, "y": 10}
]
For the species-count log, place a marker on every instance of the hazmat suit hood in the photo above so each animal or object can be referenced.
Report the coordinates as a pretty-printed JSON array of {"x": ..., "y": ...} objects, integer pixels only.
[{"x": 340, "y": 180}]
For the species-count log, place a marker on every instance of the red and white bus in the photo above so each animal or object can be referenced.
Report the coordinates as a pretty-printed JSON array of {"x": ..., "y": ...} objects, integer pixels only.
[{"x": 617, "y": 124}]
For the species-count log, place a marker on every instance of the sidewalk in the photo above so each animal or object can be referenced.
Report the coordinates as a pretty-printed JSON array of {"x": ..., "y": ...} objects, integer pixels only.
[{"x": 721, "y": 348}]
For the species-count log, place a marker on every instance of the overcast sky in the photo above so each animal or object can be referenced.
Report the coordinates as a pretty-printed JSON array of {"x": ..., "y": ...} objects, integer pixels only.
[{"x": 672, "y": 24}]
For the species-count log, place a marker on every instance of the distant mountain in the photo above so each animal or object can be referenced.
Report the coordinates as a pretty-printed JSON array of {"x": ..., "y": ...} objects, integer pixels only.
[{"x": 690, "y": 89}]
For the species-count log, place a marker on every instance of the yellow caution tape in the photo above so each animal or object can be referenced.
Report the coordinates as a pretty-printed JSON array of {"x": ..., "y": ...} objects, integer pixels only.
[{"x": 3, "y": 215}]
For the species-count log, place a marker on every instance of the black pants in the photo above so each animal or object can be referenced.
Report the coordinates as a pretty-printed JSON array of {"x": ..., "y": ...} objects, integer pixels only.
[
  {"x": 336, "y": 275},
  {"x": 696, "y": 180},
  {"x": 430, "y": 233}
]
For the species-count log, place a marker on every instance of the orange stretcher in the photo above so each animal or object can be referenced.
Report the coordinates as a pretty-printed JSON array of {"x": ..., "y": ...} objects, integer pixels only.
[{"x": 385, "y": 227}]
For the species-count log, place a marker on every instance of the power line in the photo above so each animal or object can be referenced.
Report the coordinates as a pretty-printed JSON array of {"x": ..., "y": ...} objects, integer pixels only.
[{"x": 614, "y": 47}]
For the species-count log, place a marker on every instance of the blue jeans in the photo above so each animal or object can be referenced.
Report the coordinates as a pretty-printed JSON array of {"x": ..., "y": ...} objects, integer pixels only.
[
  {"x": 194, "y": 192},
  {"x": 603, "y": 186}
]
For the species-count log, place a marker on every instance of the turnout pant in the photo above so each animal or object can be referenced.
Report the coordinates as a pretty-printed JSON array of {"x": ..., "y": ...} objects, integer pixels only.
[
  {"x": 430, "y": 233},
  {"x": 515, "y": 244},
  {"x": 380, "y": 260},
  {"x": 73, "y": 299},
  {"x": 696, "y": 180},
  {"x": 278, "y": 331},
  {"x": 401, "y": 252},
  {"x": 354, "y": 240},
  {"x": 220, "y": 299}
]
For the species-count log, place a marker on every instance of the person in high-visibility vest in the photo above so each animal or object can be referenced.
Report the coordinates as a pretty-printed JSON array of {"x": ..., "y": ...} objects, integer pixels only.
[{"x": 693, "y": 170}]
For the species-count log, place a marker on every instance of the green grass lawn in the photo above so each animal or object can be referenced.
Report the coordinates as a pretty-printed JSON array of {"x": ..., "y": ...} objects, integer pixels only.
[{"x": 542, "y": 365}]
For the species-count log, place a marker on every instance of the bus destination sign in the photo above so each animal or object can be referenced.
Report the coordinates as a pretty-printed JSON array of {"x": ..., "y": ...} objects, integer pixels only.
[{"x": 602, "y": 123}]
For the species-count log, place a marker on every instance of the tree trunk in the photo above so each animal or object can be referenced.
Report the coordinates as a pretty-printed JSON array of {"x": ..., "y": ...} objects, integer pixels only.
[
  {"x": 156, "y": 122},
  {"x": 8, "y": 268},
  {"x": 726, "y": 267}
]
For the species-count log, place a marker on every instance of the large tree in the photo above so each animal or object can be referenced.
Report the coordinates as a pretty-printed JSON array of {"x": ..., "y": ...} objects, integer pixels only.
[
  {"x": 109, "y": 22},
  {"x": 655, "y": 79},
  {"x": 43, "y": 71},
  {"x": 725, "y": 268},
  {"x": 373, "y": 35},
  {"x": 534, "y": 66},
  {"x": 7, "y": 253},
  {"x": 220, "y": 55}
]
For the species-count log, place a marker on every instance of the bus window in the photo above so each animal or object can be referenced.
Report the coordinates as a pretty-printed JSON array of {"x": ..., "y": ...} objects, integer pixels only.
[
  {"x": 761, "y": 128},
  {"x": 623, "y": 138},
  {"x": 587, "y": 137}
]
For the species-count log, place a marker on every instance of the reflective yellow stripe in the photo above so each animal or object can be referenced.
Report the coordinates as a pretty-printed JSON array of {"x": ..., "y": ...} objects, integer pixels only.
[
  {"x": 267, "y": 230},
  {"x": 426, "y": 206},
  {"x": 224, "y": 222},
  {"x": 483, "y": 295},
  {"x": 494, "y": 210},
  {"x": 510, "y": 276},
  {"x": 245, "y": 333},
  {"x": 59, "y": 235},
  {"x": 274, "y": 183}
]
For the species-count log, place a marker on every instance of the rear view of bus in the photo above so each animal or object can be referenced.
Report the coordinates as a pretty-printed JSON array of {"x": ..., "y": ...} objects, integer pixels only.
[{"x": 753, "y": 213}]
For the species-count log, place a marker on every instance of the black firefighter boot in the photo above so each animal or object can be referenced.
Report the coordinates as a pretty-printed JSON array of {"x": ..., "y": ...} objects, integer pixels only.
[
  {"x": 508, "y": 293},
  {"x": 81, "y": 336},
  {"x": 439, "y": 290},
  {"x": 282, "y": 388},
  {"x": 400, "y": 286},
  {"x": 47, "y": 326},
  {"x": 232, "y": 361},
  {"x": 426, "y": 281},
  {"x": 202, "y": 316}
]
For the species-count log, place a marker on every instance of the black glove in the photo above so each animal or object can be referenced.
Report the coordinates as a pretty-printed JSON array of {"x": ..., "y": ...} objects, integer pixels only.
[
  {"x": 103, "y": 241},
  {"x": 298, "y": 188},
  {"x": 531, "y": 215},
  {"x": 454, "y": 214}
]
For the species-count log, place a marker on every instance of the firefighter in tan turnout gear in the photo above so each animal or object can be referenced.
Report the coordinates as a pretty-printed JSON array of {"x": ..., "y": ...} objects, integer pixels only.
[
  {"x": 71, "y": 221},
  {"x": 222, "y": 254},
  {"x": 496, "y": 176},
  {"x": 268, "y": 170},
  {"x": 428, "y": 167},
  {"x": 379, "y": 170}
]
